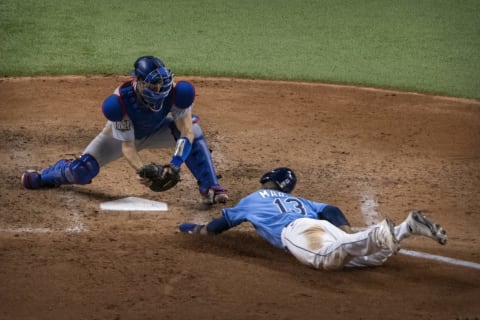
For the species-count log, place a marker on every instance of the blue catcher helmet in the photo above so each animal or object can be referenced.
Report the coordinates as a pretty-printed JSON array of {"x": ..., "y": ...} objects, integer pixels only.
[
  {"x": 154, "y": 81},
  {"x": 283, "y": 177}
]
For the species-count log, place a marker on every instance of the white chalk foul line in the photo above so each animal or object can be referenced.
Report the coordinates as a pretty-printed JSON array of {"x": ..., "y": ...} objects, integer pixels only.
[
  {"x": 429, "y": 256},
  {"x": 75, "y": 221},
  {"x": 26, "y": 230},
  {"x": 72, "y": 206},
  {"x": 369, "y": 207},
  {"x": 370, "y": 213}
]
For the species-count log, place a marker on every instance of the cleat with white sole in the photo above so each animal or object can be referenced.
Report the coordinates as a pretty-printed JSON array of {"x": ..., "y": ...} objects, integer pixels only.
[{"x": 419, "y": 224}]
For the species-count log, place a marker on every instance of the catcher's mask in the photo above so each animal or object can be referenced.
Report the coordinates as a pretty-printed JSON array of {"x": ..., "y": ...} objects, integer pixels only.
[
  {"x": 283, "y": 177},
  {"x": 154, "y": 81}
]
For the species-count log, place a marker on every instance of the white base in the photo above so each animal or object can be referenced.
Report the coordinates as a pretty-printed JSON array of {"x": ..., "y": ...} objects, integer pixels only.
[{"x": 134, "y": 204}]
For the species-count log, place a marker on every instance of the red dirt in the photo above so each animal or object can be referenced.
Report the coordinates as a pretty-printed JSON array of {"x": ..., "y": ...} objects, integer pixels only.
[{"x": 61, "y": 257}]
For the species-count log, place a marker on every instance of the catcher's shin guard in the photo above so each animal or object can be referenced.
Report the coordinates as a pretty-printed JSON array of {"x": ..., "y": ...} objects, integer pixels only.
[
  {"x": 79, "y": 171},
  {"x": 200, "y": 163}
]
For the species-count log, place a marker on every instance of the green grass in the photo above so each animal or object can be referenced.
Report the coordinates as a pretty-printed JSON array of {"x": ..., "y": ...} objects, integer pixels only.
[{"x": 421, "y": 45}]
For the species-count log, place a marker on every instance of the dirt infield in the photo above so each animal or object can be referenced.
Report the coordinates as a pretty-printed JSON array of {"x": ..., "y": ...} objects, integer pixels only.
[{"x": 374, "y": 153}]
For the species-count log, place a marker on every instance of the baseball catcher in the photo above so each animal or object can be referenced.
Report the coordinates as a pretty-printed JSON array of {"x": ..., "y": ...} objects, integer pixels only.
[{"x": 149, "y": 111}]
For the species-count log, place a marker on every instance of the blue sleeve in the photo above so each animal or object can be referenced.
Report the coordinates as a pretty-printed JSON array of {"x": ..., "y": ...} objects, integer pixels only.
[
  {"x": 238, "y": 214},
  {"x": 112, "y": 108},
  {"x": 218, "y": 225}
]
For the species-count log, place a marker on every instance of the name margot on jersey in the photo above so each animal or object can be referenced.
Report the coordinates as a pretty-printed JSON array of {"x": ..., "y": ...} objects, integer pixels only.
[{"x": 272, "y": 194}]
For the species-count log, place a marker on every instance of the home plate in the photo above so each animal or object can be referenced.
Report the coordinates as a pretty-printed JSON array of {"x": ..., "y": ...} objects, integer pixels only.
[{"x": 134, "y": 204}]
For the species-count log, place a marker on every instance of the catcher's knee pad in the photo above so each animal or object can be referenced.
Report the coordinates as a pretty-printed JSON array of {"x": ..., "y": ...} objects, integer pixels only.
[
  {"x": 84, "y": 169},
  {"x": 79, "y": 171}
]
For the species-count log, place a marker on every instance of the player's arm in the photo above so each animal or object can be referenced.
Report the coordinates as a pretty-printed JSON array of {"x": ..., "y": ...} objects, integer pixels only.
[
  {"x": 231, "y": 217},
  {"x": 185, "y": 126},
  {"x": 122, "y": 129},
  {"x": 182, "y": 115},
  {"x": 216, "y": 226},
  {"x": 185, "y": 141},
  {"x": 130, "y": 153}
]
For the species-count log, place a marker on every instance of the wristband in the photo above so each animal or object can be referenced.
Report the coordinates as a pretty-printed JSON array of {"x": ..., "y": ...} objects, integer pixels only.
[{"x": 182, "y": 151}]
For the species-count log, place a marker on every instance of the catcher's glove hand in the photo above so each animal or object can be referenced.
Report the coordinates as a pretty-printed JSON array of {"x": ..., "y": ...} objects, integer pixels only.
[{"x": 163, "y": 177}]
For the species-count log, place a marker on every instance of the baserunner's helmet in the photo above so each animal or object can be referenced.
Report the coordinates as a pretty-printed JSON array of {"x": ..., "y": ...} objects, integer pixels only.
[
  {"x": 154, "y": 81},
  {"x": 283, "y": 177}
]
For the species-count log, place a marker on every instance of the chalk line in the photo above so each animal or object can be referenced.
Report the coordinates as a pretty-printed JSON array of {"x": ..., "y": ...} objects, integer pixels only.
[
  {"x": 72, "y": 206},
  {"x": 429, "y": 256},
  {"x": 369, "y": 207},
  {"x": 75, "y": 222},
  {"x": 26, "y": 230}
]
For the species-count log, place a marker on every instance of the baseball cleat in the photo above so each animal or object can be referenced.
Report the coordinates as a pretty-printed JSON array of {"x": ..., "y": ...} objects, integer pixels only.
[
  {"x": 419, "y": 224},
  {"x": 386, "y": 236},
  {"x": 32, "y": 179},
  {"x": 215, "y": 194}
]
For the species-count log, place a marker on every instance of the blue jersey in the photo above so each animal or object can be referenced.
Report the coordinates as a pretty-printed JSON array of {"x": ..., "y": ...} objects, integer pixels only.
[
  {"x": 269, "y": 211},
  {"x": 145, "y": 122}
]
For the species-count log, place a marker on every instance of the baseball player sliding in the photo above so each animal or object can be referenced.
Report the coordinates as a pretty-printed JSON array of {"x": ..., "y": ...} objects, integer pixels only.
[
  {"x": 313, "y": 232},
  {"x": 150, "y": 111}
]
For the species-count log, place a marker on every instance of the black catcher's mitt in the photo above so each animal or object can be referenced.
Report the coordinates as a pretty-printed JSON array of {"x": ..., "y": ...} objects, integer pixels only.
[{"x": 163, "y": 177}]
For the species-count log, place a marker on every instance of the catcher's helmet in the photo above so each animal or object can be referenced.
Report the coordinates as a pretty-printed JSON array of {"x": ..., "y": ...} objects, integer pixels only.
[
  {"x": 154, "y": 81},
  {"x": 283, "y": 177}
]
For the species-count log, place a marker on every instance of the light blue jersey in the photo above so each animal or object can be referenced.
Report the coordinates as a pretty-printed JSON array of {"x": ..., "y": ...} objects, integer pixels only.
[{"x": 269, "y": 211}]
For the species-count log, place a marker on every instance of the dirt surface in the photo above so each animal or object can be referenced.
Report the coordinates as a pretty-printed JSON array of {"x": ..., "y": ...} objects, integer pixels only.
[{"x": 374, "y": 153}]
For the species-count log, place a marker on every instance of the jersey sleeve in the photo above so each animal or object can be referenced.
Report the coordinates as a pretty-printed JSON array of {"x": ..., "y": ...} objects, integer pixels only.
[{"x": 239, "y": 213}]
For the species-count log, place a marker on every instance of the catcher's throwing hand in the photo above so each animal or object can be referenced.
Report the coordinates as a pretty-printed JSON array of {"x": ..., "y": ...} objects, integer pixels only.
[{"x": 161, "y": 177}]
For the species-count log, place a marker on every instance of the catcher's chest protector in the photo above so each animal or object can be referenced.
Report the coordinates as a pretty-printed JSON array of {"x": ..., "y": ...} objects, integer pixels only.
[{"x": 145, "y": 121}]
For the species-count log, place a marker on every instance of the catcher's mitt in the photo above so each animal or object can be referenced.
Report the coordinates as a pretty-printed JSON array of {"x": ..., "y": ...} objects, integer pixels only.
[{"x": 163, "y": 177}]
